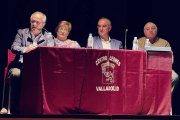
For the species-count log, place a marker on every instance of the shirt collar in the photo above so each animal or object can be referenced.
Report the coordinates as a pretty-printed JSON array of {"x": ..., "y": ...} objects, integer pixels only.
[
  {"x": 109, "y": 40},
  {"x": 153, "y": 40},
  {"x": 31, "y": 35}
]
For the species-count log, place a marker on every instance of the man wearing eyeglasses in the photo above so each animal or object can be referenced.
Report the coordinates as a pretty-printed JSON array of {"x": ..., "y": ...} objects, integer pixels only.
[
  {"x": 25, "y": 41},
  {"x": 104, "y": 40}
]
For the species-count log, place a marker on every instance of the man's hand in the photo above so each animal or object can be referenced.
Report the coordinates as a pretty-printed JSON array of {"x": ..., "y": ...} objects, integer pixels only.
[{"x": 30, "y": 48}]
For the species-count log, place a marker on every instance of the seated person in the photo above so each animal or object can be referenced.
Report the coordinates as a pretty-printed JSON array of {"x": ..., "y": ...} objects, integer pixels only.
[
  {"x": 25, "y": 41},
  {"x": 62, "y": 30},
  {"x": 103, "y": 40},
  {"x": 150, "y": 32}
]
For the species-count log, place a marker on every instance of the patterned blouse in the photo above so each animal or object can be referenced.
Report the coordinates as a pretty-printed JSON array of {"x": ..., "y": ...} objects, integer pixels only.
[{"x": 67, "y": 43}]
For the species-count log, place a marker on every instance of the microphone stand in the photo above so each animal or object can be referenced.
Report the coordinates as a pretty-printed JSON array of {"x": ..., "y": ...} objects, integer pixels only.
[{"x": 125, "y": 39}]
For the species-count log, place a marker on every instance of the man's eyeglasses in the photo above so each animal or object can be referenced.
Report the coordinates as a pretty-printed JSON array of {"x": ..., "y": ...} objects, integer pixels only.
[{"x": 35, "y": 22}]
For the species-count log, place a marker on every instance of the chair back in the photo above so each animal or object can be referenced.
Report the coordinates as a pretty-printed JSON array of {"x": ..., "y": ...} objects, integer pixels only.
[{"x": 11, "y": 57}]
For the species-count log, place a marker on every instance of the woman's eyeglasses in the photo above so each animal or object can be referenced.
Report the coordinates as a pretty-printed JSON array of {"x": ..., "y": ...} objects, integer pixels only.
[{"x": 63, "y": 30}]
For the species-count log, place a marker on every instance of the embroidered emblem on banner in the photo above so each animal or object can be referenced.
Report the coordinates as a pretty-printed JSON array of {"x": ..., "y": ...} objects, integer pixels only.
[
  {"x": 107, "y": 67},
  {"x": 107, "y": 72}
]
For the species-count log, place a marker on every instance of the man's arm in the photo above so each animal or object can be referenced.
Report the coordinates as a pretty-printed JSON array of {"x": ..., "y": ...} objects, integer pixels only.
[{"x": 18, "y": 47}]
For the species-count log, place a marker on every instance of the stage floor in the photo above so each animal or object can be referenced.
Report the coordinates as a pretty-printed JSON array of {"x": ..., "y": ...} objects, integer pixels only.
[{"x": 84, "y": 117}]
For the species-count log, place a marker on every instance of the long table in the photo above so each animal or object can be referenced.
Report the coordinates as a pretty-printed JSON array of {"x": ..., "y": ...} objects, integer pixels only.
[{"x": 96, "y": 81}]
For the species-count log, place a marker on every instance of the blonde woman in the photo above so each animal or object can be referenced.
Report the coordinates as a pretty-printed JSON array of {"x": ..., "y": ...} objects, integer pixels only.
[{"x": 62, "y": 31}]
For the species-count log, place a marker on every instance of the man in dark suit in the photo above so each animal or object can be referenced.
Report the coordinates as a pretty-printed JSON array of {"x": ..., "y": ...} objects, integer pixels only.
[{"x": 103, "y": 40}]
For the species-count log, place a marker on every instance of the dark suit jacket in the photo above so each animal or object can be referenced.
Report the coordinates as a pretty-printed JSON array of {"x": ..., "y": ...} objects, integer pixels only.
[{"x": 115, "y": 44}]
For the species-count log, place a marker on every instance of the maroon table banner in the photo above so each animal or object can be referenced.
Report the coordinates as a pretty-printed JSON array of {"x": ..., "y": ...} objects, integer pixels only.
[{"x": 96, "y": 81}]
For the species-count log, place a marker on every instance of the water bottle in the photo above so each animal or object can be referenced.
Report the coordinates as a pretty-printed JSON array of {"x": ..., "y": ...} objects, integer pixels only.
[
  {"x": 50, "y": 40},
  {"x": 135, "y": 44},
  {"x": 58, "y": 43},
  {"x": 90, "y": 41},
  {"x": 147, "y": 43}
]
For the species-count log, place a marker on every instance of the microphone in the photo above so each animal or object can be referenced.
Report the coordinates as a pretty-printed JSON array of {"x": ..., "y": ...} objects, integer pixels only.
[
  {"x": 40, "y": 41},
  {"x": 45, "y": 29},
  {"x": 125, "y": 39},
  {"x": 48, "y": 32}
]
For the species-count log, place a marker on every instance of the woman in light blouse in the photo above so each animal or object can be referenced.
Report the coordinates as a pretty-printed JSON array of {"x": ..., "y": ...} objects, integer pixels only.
[{"x": 62, "y": 31}]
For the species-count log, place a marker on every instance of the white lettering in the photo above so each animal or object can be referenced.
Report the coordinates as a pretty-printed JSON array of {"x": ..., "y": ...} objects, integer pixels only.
[
  {"x": 107, "y": 88},
  {"x": 101, "y": 59},
  {"x": 115, "y": 60}
]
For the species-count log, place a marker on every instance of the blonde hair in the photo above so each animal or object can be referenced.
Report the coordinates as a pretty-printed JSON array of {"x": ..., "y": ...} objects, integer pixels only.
[{"x": 64, "y": 23}]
